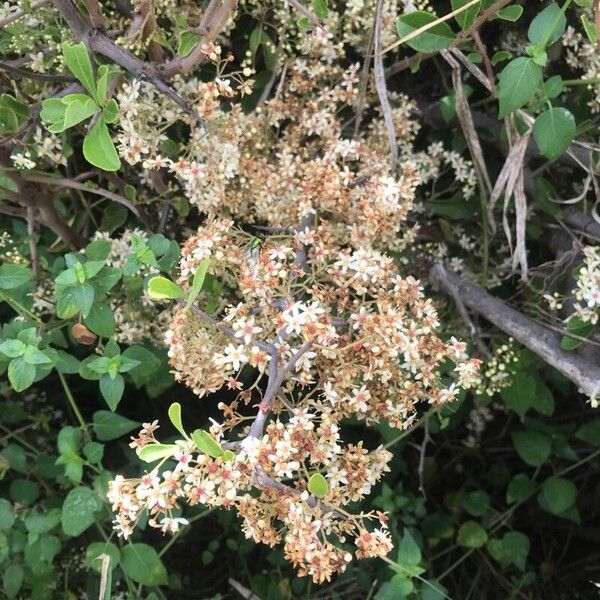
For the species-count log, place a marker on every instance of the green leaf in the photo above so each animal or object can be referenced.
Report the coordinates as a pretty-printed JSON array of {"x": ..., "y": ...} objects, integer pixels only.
[
  {"x": 500, "y": 56},
  {"x": 590, "y": 433},
  {"x": 94, "y": 452},
  {"x": 127, "y": 364},
  {"x": 543, "y": 401},
  {"x": 149, "y": 363},
  {"x": 548, "y": 26},
  {"x": 175, "y": 417},
  {"x": 517, "y": 83},
  {"x": 99, "y": 364},
  {"x": 199, "y": 277},
  {"x": 532, "y": 447},
  {"x": 101, "y": 320},
  {"x": 206, "y": 443},
  {"x": 477, "y": 503},
  {"x": 471, "y": 535},
  {"x": 13, "y": 580},
  {"x": 110, "y": 426},
  {"x": 34, "y": 356},
  {"x": 141, "y": 563},
  {"x": 559, "y": 493},
  {"x": 77, "y": 59},
  {"x": 13, "y": 276},
  {"x": 520, "y": 395},
  {"x": 188, "y": 40},
  {"x": 320, "y": 8},
  {"x": 40, "y": 523},
  {"x": 553, "y": 86},
  {"x": 318, "y": 486},
  {"x": 112, "y": 389},
  {"x": 83, "y": 297},
  {"x": 161, "y": 288},
  {"x": 99, "y": 149},
  {"x": 519, "y": 488},
  {"x": 553, "y": 132},
  {"x": 7, "y": 516},
  {"x": 590, "y": 29},
  {"x": 20, "y": 374},
  {"x": 67, "y": 278},
  {"x": 78, "y": 510},
  {"x": 466, "y": 18},
  {"x": 409, "y": 552},
  {"x": 76, "y": 111},
  {"x": 110, "y": 112},
  {"x": 94, "y": 551},
  {"x": 510, "y": 13},
  {"x": 153, "y": 452},
  {"x": 12, "y": 348},
  {"x": 439, "y": 37}
]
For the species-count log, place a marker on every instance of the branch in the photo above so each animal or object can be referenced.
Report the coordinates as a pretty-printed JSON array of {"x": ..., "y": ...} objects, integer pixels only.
[
  {"x": 98, "y": 191},
  {"x": 541, "y": 341},
  {"x": 213, "y": 21},
  {"x": 98, "y": 42},
  {"x": 17, "y": 14}
]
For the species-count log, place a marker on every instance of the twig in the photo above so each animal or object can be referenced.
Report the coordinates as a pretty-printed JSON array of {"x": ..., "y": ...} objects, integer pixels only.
[
  {"x": 98, "y": 191},
  {"x": 36, "y": 76},
  {"x": 32, "y": 241},
  {"x": 305, "y": 12},
  {"x": 538, "y": 339},
  {"x": 381, "y": 87}
]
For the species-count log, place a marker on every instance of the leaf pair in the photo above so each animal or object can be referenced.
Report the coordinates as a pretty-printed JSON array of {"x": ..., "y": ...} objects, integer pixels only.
[{"x": 63, "y": 113}]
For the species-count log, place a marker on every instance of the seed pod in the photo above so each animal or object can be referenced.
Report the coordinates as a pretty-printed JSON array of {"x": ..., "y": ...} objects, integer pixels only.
[{"x": 83, "y": 335}]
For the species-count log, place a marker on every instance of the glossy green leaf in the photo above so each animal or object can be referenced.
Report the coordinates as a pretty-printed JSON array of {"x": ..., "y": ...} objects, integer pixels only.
[
  {"x": 318, "y": 486},
  {"x": 199, "y": 277},
  {"x": 510, "y": 13},
  {"x": 153, "y": 452},
  {"x": 101, "y": 320},
  {"x": 99, "y": 149},
  {"x": 112, "y": 389},
  {"x": 20, "y": 374},
  {"x": 161, "y": 288},
  {"x": 466, "y": 18},
  {"x": 78, "y": 61},
  {"x": 206, "y": 443},
  {"x": 141, "y": 563},
  {"x": 175, "y": 417}
]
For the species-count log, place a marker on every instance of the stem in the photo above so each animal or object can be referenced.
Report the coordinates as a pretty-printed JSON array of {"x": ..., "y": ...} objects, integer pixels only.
[
  {"x": 73, "y": 403},
  {"x": 168, "y": 545},
  {"x": 19, "y": 439},
  {"x": 412, "y": 428}
]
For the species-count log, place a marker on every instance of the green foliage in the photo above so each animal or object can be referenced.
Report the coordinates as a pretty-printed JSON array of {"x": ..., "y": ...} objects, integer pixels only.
[
  {"x": 438, "y": 37},
  {"x": 553, "y": 131},
  {"x": 317, "y": 485}
]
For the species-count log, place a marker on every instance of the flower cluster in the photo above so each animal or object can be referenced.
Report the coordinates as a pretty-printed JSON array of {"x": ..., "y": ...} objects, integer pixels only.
[{"x": 587, "y": 291}]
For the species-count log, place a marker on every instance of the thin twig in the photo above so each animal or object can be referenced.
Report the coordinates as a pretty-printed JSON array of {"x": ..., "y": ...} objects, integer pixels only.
[{"x": 17, "y": 14}]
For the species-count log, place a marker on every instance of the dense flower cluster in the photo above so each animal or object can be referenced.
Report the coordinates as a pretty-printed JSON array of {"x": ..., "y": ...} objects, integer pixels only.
[{"x": 587, "y": 291}]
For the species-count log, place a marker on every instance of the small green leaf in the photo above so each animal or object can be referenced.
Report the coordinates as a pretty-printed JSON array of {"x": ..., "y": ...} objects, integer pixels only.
[
  {"x": 590, "y": 433},
  {"x": 20, "y": 374},
  {"x": 439, "y": 37},
  {"x": 320, "y": 8},
  {"x": 188, "y": 40},
  {"x": 153, "y": 452},
  {"x": 559, "y": 493},
  {"x": 553, "y": 132},
  {"x": 161, "y": 288},
  {"x": 509, "y": 13},
  {"x": 318, "y": 486},
  {"x": 517, "y": 83},
  {"x": 199, "y": 277},
  {"x": 78, "y": 510},
  {"x": 477, "y": 503},
  {"x": 34, "y": 356},
  {"x": 141, "y": 563},
  {"x": 110, "y": 426},
  {"x": 78, "y": 61},
  {"x": 175, "y": 417},
  {"x": 13, "y": 276},
  {"x": 13, "y": 348},
  {"x": 94, "y": 552},
  {"x": 590, "y": 29},
  {"x": 110, "y": 113},
  {"x": 99, "y": 149},
  {"x": 409, "y": 552},
  {"x": 206, "y": 443},
  {"x": 83, "y": 297},
  {"x": 553, "y": 86},
  {"x": 112, "y": 389},
  {"x": 13, "y": 580},
  {"x": 548, "y": 26},
  {"x": 466, "y": 18},
  {"x": 101, "y": 320},
  {"x": 533, "y": 447},
  {"x": 471, "y": 535}
]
